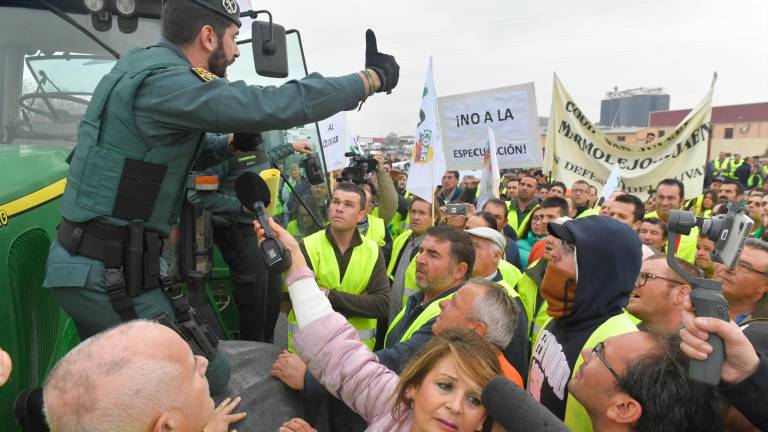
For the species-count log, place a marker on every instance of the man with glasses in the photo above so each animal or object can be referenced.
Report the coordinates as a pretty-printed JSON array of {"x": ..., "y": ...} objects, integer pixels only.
[
  {"x": 580, "y": 196},
  {"x": 747, "y": 284},
  {"x": 586, "y": 286},
  {"x": 660, "y": 294},
  {"x": 638, "y": 382}
]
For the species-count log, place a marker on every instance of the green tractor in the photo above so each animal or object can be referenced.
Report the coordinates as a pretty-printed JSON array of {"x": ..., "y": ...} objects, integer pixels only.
[{"x": 52, "y": 55}]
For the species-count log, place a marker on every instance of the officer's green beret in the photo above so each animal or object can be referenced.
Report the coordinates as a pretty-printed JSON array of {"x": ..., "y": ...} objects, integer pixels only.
[{"x": 229, "y": 9}]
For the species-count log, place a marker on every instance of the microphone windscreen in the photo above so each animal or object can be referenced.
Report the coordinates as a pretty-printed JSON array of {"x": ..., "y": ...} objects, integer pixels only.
[
  {"x": 251, "y": 188},
  {"x": 515, "y": 410}
]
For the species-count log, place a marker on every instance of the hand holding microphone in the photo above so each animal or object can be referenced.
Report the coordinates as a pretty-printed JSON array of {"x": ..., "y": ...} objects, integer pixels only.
[
  {"x": 515, "y": 410},
  {"x": 253, "y": 193}
]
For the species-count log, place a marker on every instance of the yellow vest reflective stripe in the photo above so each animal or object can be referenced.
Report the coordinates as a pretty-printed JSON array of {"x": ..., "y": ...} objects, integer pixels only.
[
  {"x": 355, "y": 280},
  {"x": 430, "y": 312},
  {"x": 376, "y": 229},
  {"x": 409, "y": 284}
]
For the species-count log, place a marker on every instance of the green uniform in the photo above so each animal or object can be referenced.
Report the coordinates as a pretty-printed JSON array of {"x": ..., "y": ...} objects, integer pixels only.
[
  {"x": 257, "y": 292},
  {"x": 144, "y": 127}
]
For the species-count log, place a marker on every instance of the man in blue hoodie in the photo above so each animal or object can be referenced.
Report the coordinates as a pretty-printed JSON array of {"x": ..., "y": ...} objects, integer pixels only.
[{"x": 586, "y": 285}]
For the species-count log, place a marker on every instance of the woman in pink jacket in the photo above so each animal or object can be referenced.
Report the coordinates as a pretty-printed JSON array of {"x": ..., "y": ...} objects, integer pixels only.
[{"x": 439, "y": 390}]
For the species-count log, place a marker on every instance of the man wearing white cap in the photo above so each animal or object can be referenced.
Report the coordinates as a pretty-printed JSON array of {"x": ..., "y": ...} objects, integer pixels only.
[{"x": 489, "y": 246}]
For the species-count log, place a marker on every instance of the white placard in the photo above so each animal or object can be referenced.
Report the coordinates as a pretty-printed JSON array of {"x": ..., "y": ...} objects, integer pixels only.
[{"x": 509, "y": 111}]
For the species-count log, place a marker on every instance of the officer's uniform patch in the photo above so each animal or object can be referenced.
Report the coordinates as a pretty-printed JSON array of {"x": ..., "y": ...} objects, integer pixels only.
[{"x": 204, "y": 74}]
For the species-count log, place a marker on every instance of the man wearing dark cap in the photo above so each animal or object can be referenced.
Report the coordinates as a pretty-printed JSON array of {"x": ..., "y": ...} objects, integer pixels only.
[
  {"x": 586, "y": 286},
  {"x": 148, "y": 121}
]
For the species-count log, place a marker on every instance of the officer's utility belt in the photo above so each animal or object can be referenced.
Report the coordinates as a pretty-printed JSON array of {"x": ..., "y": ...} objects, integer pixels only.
[
  {"x": 131, "y": 258},
  {"x": 129, "y": 249}
]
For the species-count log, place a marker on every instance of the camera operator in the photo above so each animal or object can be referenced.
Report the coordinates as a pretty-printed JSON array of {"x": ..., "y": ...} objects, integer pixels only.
[
  {"x": 257, "y": 291},
  {"x": 362, "y": 168}
]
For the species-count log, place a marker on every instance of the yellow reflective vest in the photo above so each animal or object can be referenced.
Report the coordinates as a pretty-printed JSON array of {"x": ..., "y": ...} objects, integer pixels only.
[
  {"x": 355, "y": 280},
  {"x": 576, "y": 417},
  {"x": 376, "y": 230},
  {"x": 733, "y": 165},
  {"x": 431, "y": 312},
  {"x": 509, "y": 273},
  {"x": 529, "y": 296},
  {"x": 409, "y": 285},
  {"x": 687, "y": 248},
  {"x": 592, "y": 211},
  {"x": 515, "y": 223}
]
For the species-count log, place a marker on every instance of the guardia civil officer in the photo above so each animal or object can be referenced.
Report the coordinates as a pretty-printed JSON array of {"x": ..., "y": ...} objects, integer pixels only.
[
  {"x": 146, "y": 124},
  {"x": 258, "y": 293}
]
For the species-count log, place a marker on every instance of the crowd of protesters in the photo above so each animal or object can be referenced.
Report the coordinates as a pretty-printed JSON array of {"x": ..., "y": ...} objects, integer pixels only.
[{"x": 400, "y": 313}]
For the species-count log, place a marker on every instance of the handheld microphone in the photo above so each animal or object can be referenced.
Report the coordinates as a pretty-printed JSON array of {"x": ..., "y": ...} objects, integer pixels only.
[
  {"x": 253, "y": 193},
  {"x": 515, "y": 410}
]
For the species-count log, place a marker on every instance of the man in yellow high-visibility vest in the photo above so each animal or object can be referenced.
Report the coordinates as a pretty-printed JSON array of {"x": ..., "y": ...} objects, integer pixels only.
[
  {"x": 402, "y": 264},
  {"x": 349, "y": 268},
  {"x": 669, "y": 196}
]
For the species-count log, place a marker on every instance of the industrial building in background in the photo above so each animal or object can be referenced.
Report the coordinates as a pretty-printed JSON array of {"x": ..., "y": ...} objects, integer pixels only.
[{"x": 623, "y": 108}]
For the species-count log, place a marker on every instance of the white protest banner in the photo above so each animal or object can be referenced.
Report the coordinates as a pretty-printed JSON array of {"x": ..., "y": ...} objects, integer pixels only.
[
  {"x": 613, "y": 183},
  {"x": 337, "y": 138},
  {"x": 427, "y": 165},
  {"x": 577, "y": 150},
  {"x": 489, "y": 179},
  {"x": 509, "y": 111}
]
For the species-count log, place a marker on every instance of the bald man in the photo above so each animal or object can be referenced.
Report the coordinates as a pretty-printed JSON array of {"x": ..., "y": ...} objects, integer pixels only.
[{"x": 139, "y": 375}]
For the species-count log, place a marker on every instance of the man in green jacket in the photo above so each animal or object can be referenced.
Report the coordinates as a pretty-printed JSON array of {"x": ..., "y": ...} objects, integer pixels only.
[{"x": 147, "y": 122}]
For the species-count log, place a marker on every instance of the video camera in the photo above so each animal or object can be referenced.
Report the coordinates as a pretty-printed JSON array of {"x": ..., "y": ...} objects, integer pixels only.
[
  {"x": 359, "y": 167},
  {"x": 729, "y": 232}
]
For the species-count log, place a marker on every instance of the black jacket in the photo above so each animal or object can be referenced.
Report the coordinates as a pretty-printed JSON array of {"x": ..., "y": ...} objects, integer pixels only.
[{"x": 608, "y": 260}]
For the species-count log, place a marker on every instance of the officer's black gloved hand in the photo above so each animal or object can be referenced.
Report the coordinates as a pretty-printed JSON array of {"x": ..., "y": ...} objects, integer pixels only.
[
  {"x": 384, "y": 65},
  {"x": 246, "y": 142}
]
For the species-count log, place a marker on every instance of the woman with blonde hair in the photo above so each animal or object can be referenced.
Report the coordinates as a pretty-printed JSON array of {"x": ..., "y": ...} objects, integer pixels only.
[{"x": 439, "y": 389}]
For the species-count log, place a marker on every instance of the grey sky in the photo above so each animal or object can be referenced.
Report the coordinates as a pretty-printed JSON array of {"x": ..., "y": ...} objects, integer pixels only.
[{"x": 593, "y": 45}]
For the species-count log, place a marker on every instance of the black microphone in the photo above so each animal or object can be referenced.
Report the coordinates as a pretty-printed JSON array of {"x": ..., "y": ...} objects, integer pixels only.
[
  {"x": 253, "y": 193},
  {"x": 515, "y": 410}
]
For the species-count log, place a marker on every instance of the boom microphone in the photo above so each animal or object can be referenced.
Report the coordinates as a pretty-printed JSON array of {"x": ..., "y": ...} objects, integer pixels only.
[
  {"x": 515, "y": 410},
  {"x": 253, "y": 193}
]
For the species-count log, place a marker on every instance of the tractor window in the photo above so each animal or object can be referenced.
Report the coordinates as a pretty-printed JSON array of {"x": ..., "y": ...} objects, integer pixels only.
[
  {"x": 315, "y": 197},
  {"x": 50, "y": 70}
]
